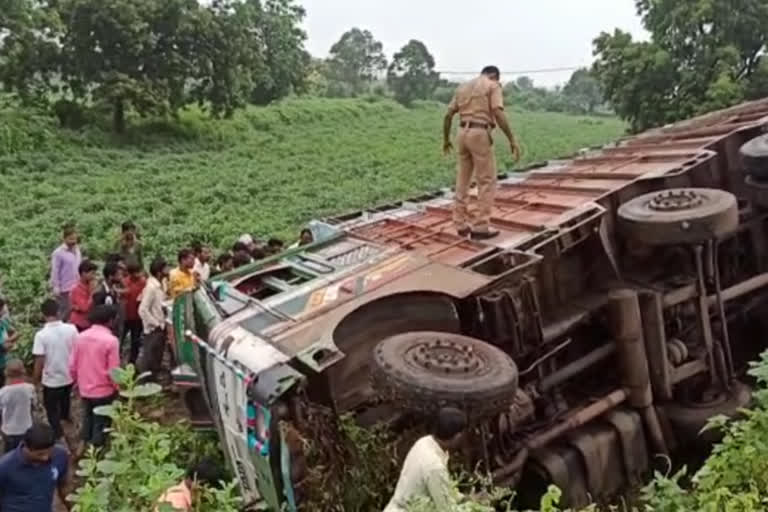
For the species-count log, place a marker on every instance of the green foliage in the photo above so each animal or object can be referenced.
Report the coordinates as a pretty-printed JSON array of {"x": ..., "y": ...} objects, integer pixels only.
[
  {"x": 152, "y": 56},
  {"x": 735, "y": 477},
  {"x": 412, "y": 76},
  {"x": 583, "y": 90},
  {"x": 581, "y": 95},
  {"x": 355, "y": 61},
  {"x": 140, "y": 463},
  {"x": 703, "y": 55}
]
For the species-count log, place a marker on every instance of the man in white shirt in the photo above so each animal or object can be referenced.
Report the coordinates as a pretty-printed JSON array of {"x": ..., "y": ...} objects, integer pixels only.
[
  {"x": 202, "y": 265},
  {"x": 152, "y": 316},
  {"x": 51, "y": 348},
  {"x": 425, "y": 470}
]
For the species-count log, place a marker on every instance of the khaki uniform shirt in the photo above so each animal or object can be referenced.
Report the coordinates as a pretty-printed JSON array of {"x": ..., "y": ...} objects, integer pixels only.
[
  {"x": 477, "y": 99},
  {"x": 424, "y": 474}
]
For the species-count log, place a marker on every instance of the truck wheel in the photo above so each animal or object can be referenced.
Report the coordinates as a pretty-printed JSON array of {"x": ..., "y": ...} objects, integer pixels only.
[
  {"x": 754, "y": 154},
  {"x": 688, "y": 419},
  {"x": 679, "y": 216},
  {"x": 425, "y": 371}
]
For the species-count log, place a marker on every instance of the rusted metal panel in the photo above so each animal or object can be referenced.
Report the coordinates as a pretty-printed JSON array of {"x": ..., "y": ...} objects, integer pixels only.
[
  {"x": 437, "y": 244},
  {"x": 537, "y": 206}
]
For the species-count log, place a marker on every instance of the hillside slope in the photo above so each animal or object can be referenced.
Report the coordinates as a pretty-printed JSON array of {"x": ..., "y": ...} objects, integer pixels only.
[{"x": 265, "y": 172}]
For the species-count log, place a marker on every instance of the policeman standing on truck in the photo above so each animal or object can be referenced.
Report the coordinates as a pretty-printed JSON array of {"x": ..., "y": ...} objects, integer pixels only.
[{"x": 480, "y": 105}]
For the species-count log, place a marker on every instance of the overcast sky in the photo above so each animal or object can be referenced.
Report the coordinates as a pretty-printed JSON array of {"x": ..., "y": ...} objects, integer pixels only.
[{"x": 465, "y": 35}]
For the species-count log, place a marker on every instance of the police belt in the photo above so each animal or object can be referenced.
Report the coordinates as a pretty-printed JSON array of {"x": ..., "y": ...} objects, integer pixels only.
[{"x": 475, "y": 124}]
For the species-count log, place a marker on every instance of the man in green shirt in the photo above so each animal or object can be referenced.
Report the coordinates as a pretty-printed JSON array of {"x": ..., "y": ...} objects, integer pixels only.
[{"x": 129, "y": 245}]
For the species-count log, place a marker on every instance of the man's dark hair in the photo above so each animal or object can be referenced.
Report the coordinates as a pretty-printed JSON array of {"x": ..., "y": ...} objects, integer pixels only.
[
  {"x": 2, "y": 303},
  {"x": 133, "y": 267},
  {"x": 275, "y": 242},
  {"x": 223, "y": 258},
  {"x": 128, "y": 226},
  {"x": 39, "y": 437},
  {"x": 204, "y": 472},
  {"x": 239, "y": 247},
  {"x": 184, "y": 254},
  {"x": 102, "y": 314},
  {"x": 258, "y": 253},
  {"x": 157, "y": 266},
  {"x": 491, "y": 70},
  {"x": 49, "y": 308},
  {"x": 450, "y": 421},
  {"x": 68, "y": 229},
  {"x": 198, "y": 246},
  {"x": 111, "y": 269},
  {"x": 86, "y": 266},
  {"x": 241, "y": 259},
  {"x": 114, "y": 257}
]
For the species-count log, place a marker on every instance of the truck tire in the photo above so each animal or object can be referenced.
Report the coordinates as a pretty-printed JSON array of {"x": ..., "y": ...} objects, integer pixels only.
[
  {"x": 754, "y": 155},
  {"x": 688, "y": 420},
  {"x": 679, "y": 216},
  {"x": 424, "y": 371}
]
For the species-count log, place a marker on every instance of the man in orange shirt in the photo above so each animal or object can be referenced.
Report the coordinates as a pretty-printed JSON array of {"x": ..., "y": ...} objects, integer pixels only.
[{"x": 181, "y": 497}]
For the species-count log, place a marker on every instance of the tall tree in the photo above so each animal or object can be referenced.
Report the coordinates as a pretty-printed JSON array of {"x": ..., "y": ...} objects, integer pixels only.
[
  {"x": 412, "y": 76},
  {"x": 524, "y": 82},
  {"x": 278, "y": 25},
  {"x": 153, "y": 56},
  {"x": 29, "y": 56},
  {"x": 703, "y": 54},
  {"x": 583, "y": 91},
  {"x": 357, "y": 59}
]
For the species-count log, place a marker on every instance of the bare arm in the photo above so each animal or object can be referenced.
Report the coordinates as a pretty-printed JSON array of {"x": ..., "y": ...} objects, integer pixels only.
[
  {"x": 63, "y": 490},
  {"x": 447, "y": 122},
  {"x": 38, "y": 373},
  {"x": 503, "y": 124}
]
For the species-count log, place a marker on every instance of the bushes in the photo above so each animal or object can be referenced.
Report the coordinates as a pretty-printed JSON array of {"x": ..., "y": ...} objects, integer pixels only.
[{"x": 142, "y": 460}]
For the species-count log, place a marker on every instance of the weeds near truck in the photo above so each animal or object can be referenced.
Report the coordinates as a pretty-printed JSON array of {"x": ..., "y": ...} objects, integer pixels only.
[{"x": 141, "y": 461}]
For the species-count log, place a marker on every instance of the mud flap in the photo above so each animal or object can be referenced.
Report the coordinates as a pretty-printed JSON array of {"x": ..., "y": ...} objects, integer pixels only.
[
  {"x": 629, "y": 427},
  {"x": 563, "y": 466},
  {"x": 599, "y": 448}
]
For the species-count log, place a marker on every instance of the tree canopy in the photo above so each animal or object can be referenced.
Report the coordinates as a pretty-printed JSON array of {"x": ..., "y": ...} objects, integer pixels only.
[
  {"x": 154, "y": 56},
  {"x": 412, "y": 76},
  {"x": 703, "y": 55},
  {"x": 356, "y": 60}
]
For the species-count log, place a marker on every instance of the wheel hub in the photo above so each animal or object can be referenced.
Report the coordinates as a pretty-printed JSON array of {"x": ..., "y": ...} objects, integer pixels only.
[
  {"x": 446, "y": 357},
  {"x": 676, "y": 200}
]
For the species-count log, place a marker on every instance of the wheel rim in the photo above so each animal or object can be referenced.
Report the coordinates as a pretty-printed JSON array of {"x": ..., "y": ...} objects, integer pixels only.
[
  {"x": 445, "y": 356},
  {"x": 676, "y": 200}
]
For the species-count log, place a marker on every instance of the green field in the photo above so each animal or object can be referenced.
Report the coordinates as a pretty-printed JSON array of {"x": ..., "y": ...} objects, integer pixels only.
[{"x": 266, "y": 172}]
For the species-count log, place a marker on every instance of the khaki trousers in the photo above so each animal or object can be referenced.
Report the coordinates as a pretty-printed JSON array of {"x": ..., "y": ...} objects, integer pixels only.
[{"x": 476, "y": 159}]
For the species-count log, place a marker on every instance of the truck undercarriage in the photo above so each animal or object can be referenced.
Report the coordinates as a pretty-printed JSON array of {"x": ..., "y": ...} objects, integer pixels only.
[{"x": 616, "y": 312}]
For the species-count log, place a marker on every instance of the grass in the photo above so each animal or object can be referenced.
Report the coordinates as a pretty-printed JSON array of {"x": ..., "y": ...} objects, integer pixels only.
[{"x": 265, "y": 172}]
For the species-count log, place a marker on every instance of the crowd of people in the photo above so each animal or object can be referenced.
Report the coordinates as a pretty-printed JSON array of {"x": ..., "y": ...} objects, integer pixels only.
[{"x": 90, "y": 318}]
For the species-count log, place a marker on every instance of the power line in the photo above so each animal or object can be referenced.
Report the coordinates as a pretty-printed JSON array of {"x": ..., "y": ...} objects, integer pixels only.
[{"x": 515, "y": 72}]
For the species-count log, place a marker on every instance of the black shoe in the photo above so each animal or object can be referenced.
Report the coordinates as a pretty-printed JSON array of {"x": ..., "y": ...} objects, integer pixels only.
[
  {"x": 464, "y": 233},
  {"x": 485, "y": 235}
]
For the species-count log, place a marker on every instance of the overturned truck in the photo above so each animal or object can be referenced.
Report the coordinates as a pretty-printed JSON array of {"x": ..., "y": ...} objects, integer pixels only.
[{"x": 615, "y": 313}]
